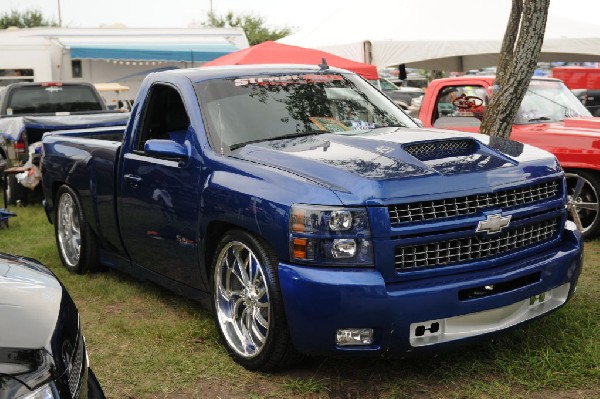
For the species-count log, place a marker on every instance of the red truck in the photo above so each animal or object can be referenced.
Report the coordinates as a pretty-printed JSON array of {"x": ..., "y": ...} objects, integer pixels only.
[
  {"x": 550, "y": 117},
  {"x": 584, "y": 83}
]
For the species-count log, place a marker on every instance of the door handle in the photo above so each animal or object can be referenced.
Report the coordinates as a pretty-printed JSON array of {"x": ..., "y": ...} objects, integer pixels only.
[{"x": 133, "y": 180}]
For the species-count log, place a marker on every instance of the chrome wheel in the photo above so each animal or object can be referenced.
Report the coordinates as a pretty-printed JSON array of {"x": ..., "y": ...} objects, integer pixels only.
[
  {"x": 68, "y": 230},
  {"x": 582, "y": 202},
  {"x": 241, "y": 299}
]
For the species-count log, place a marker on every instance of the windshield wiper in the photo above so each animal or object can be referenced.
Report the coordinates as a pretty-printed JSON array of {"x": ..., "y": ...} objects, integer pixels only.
[
  {"x": 285, "y": 136},
  {"x": 540, "y": 119}
]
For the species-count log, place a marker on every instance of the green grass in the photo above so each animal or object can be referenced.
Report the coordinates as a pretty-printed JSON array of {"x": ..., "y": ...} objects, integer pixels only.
[{"x": 146, "y": 342}]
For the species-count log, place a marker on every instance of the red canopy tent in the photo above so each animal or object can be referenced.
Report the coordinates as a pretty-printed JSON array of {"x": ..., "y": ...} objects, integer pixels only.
[{"x": 277, "y": 53}]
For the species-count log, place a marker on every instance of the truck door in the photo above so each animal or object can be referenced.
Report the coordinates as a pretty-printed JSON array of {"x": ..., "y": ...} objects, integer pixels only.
[{"x": 158, "y": 204}]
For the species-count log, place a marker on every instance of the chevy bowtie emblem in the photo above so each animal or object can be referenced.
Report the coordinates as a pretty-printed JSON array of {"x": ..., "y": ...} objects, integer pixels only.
[{"x": 493, "y": 224}]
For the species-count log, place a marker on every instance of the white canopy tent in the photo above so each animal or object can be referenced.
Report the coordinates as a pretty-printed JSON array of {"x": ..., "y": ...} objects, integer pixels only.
[{"x": 433, "y": 34}]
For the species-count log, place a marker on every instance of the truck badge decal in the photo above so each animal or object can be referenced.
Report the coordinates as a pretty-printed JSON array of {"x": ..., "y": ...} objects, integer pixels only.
[
  {"x": 382, "y": 149},
  {"x": 493, "y": 224}
]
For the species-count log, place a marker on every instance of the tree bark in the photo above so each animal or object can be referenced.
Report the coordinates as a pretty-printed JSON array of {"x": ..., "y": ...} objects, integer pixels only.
[{"x": 520, "y": 50}]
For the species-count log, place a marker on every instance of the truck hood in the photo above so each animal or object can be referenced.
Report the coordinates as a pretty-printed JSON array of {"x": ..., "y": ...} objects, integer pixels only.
[
  {"x": 581, "y": 127},
  {"x": 383, "y": 165},
  {"x": 585, "y": 124}
]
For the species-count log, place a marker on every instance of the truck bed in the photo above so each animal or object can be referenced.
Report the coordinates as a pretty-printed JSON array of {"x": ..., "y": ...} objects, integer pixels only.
[{"x": 91, "y": 163}]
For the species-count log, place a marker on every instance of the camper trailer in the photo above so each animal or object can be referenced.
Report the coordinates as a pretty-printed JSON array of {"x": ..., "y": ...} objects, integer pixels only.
[{"x": 106, "y": 55}]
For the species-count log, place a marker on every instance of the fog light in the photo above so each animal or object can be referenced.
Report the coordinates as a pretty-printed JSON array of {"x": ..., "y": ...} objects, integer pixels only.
[
  {"x": 343, "y": 248},
  {"x": 354, "y": 336}
]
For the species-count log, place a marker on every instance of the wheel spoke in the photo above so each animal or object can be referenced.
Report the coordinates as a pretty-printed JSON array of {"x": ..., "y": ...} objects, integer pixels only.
[
  {"x": 241, "y": 268},
  {"x": 578, "y": 187},
  {"x": 260, "y": 337},
  {"x": 576, "y": 219},
  {"x": 260, "y": 319},
  {"x": 590, "y": 206}
]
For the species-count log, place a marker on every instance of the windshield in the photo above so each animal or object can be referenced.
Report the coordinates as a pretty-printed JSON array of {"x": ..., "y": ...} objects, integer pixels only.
[
  {"x": 40, "y": 99},
  {"x": 246, "y": 109},
  {"x": 548, "y": 101},
  {"x": 387, "y": 85}
]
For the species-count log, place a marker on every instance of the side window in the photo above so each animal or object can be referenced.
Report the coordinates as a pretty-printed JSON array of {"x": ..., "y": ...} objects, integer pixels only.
[
  {"x": 165, "y": 117},
  {"x": 465, "y": 103}
]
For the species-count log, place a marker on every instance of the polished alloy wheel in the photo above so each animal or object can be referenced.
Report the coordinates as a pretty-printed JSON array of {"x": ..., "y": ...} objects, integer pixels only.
[
  {"x": 68, "y": 230},
  {"x": 241, "y": 299},
  {"x": 582, "y": 201}
]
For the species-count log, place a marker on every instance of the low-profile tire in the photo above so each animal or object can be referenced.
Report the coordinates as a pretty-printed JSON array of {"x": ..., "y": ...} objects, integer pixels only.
[
  {"x": 583, "y": 200},
  {"x": 247, "y": 304},
  {"x": 76, "y": 243}
]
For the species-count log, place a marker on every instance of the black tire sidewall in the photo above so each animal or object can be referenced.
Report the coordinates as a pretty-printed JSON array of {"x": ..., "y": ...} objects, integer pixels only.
[{"x": 278, "y": 334}]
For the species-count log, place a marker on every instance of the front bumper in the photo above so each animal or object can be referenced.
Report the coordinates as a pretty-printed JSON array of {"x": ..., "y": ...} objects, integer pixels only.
[
  {"x": 319, "y": 301},
  {"x": 94, "y": 390}
]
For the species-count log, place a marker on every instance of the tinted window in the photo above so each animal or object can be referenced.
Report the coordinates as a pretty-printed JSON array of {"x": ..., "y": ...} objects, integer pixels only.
[
  {"x": 50, "y": 99},
  {"x": 248, "y": 109},
  {"x": 165, "y": 117}
]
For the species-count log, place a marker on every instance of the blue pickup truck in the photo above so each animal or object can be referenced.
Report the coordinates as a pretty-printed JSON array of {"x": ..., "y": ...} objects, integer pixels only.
[{"x": 313, "y": 214}]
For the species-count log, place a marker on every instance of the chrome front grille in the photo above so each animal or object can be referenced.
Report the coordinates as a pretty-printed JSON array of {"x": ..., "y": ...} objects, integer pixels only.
[
  {"x": 460, "y": 206},
  {"x": 440, "y": 149},
  {"x": 76, "y": 368},
  {"x": 444, "y": 253}
]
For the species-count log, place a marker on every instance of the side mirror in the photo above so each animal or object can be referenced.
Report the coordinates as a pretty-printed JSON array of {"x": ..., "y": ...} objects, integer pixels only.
[{"x": 166, "y": 149}]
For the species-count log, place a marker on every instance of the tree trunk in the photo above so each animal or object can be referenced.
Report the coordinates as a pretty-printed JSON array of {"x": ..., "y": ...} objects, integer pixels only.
[{"x": 520, "y": 50}]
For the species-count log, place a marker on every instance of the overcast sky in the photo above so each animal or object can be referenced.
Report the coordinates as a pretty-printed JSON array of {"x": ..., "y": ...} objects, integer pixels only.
[{"x": 277, "y": 13}]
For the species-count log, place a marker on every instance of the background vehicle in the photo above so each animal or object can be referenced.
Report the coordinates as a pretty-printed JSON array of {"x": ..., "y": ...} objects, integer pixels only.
[
  {"x": 550, "y": 117},
  {"x": 585, "y": 84},
  {"x": 28, "y": 110},
  {"x": 313, "y": 214},
  {"x": 115, "y": 96},
  {"x": 590, "y": 99},
  {"x": 43, "y": 353},
  {"x": 403, "y": 96}
]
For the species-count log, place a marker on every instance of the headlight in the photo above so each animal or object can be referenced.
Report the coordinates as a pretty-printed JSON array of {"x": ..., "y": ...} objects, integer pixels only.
[
  {"x": 45, "y": 392},
  {"x": 330, "y": 236}
]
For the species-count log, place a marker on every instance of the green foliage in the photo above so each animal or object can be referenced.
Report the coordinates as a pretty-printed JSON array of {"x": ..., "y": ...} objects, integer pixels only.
[
  {"x": 253, "y": 26},
  {"x": 25, "y": 19}
]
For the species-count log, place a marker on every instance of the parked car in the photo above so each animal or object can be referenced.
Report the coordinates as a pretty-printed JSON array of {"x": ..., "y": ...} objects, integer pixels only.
[
  {"x": 43, "y": 354},
  {"x": 313, "y": 214},
  {"x": 549, "y": 117},
  {"x": 407, "y": 98},
  {"x": 28, "y": 110},
  {"x": 590, "y": 100}
]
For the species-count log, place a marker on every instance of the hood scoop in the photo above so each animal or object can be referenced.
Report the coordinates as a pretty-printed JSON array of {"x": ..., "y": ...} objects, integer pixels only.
[
  {"x": 441, "y": 149},
  {"x": 457, "y": 156}
]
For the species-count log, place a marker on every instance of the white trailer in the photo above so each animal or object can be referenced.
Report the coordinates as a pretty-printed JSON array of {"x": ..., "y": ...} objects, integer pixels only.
[{"x": 109, "y": 55}]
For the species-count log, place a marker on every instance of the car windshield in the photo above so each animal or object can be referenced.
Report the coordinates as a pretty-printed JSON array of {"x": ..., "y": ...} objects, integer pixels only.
[
  {"x": 42, "y": 99},
  {"x": 250, "y": 109},
  {"x": 387, "y": 85},
  {"x": 548, "y": 101}
]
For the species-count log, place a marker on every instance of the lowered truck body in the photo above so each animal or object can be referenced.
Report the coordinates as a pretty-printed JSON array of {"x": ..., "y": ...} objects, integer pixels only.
[{"x": 314, "y": 215}]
